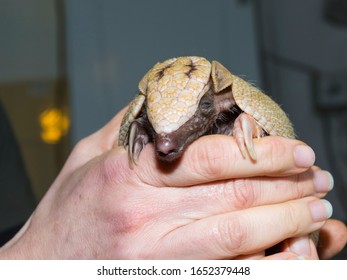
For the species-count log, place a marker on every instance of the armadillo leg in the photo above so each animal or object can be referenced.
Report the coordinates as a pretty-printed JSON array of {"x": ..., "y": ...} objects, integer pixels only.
[
  {"x": 245, "y": 129},
  {"x": 138, "y": 138}
]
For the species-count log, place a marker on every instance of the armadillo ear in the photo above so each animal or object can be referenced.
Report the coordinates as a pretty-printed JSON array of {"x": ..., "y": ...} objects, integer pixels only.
[{"x": 221, "y": 77}]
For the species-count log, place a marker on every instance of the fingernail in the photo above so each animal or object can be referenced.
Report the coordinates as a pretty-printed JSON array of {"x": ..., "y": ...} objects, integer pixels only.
[
  {"x": 323, "y": 181},
  {"x": 304, "y": 156},
  {"x": 301, "y": 246},
  {"x": 320, "y": 210}
]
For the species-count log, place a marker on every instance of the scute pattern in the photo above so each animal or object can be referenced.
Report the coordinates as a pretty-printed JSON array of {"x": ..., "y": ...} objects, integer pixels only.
[
  {"x": 174, "y": 88},
  {"x": 262, "y": 108}
]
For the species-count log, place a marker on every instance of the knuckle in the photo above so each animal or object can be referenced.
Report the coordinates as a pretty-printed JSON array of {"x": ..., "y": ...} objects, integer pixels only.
[
  {"x": 108, "y": 170},
  {"x": 128, "y": 220},
  {"x": 298, "y": 190},
  {"x": 83, "y": 145},
  {"x": 290, "y": 219},
  {"x": 232, "y": 235},
  {"x": 207, "y": 161},
  {"x": 242, "y": 194},
  {"x": 274, "y": 152},
  {"x": 112, "y": 170}
]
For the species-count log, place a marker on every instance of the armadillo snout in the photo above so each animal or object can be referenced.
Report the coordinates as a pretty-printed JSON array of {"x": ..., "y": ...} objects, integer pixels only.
[{"x": 167, "y": 149}]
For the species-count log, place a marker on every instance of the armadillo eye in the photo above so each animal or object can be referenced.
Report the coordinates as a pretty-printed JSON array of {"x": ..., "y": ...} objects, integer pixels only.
[{"x": 205, "y": 104}]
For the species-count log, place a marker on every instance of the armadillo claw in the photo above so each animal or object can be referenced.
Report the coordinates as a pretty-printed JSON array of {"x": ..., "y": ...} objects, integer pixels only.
[
  {"x": 138, "y": 138},
  {"x": 245, "y": 129}
]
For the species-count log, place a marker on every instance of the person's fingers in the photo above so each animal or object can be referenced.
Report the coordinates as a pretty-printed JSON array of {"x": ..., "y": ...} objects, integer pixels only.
[
  {"x": 332, "y": 239},
  {"x": 296, "y": 248},
  {"x": 232, "y": 195},
  {"x": 201, "y": 201},
  {"x": 277, "y": 256},
  {"x": 302, "y": 246},
  {"x": 217, "y": 157},
  {"x": 254, "y": 256},
  {"x": 250, "y": 230},
  {"x": 284, "y": 256}
]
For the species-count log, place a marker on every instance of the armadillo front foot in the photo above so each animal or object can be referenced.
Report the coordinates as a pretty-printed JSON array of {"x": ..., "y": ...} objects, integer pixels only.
[
  {"x": 245, "y": 129},
  {"x": 138, "y": 138}
]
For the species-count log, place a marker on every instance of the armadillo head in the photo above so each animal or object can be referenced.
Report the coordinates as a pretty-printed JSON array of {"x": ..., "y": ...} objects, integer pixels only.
[
  {"x": 174, "y": 89},
  {"x": 179, "y": 103}
]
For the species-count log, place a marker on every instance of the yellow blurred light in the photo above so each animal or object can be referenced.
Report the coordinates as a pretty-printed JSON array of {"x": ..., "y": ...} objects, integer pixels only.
[
  {"x": 51, "y": 136},
  {"x": 54, "y": 124}
]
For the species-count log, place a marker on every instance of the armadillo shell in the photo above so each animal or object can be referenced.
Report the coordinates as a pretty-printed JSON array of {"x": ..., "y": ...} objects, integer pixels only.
[{"x": 262, "y": 108}]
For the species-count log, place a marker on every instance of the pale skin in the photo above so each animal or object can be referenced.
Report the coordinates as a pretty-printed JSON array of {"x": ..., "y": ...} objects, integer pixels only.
[{"x": 213, "y": 204}]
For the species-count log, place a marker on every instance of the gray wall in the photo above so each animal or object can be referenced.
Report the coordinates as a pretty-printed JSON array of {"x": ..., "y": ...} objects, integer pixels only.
[
  {"x": 305, "y": 58},
  {"x": 28, "y": 47},
  {"x": 112, "y": 44}
]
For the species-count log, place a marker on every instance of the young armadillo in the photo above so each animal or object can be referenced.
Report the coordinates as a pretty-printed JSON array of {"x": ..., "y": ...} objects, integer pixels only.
[{"x": 184, "y": 98}]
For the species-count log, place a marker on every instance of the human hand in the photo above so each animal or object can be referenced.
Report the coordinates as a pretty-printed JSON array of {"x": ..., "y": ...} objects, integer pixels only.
[
  {"x": 333, "y": 238},
  {"x": 213, "y": 204}
]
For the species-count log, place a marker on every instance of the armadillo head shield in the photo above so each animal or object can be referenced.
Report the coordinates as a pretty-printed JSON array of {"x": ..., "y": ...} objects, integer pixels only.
[{"x": 174, "y": 89}]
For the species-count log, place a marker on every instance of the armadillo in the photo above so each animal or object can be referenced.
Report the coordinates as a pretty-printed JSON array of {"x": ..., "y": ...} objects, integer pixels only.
[{"x": 184, "y": 98}]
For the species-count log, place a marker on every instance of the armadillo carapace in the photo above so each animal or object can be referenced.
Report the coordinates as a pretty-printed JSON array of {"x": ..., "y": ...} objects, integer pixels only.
[{"x": 184, "y": 98}]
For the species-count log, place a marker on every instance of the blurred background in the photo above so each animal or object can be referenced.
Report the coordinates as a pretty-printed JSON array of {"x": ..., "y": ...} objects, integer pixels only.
[{"x": 67, "y": 67}]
